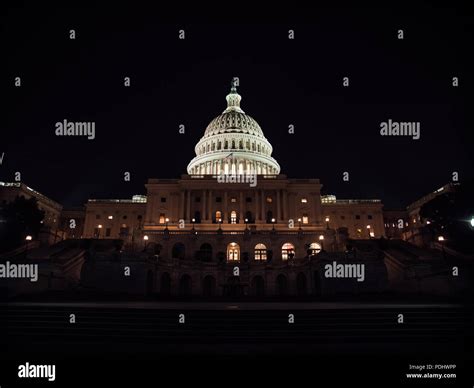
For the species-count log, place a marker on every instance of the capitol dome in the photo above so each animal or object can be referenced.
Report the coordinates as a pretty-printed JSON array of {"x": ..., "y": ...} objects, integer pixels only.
[{"x": 233, "y": 143}]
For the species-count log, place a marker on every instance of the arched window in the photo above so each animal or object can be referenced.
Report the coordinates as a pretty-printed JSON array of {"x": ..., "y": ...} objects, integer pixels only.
[
  {"x": 178, "y": 251},
  {"x": 233, "y": 217},
  {"x": 205, "y": 252},
  {"x": 260, "y": 252},
  {"x": 233, "y": 144},
  {"x": 226, "y": 144},
  {"x": 218, "y": 216},
  {"x": 314, "y": 248},
  {"x": 287, "y": 251},
  {"x": 233, "y": 252},
  {"x": 219, "y": 145},
  {"x": 241, "y": 144}
]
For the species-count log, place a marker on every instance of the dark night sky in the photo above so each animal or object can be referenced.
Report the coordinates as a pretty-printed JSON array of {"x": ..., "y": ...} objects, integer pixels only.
[{"x": 282, "y": 81}]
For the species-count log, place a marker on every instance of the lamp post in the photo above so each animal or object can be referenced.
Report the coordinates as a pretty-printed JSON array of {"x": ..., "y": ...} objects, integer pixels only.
[
  {"x": 193, "y": 221},
  {"x": 441, "y": 241},
  {"x": 27, "y": 239},
  {"x": 145, "y": 238},
  {"x": 273, "y": 224},
  {"x": 246, "y": 223},
  {"x": 327, "y": 222},
  {"x": 321, "y": 239},
  {"x": 368, "y": 231},
  {"x": 166, "y": 222},
  {"x": 299, "y": 223},
  {"x": 100, "y": 228}
]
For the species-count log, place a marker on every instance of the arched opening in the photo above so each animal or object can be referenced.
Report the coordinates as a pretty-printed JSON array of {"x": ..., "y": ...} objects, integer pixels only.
[
  {"x": 314, "y": 248},
  {"x": 233, "y": 252},
  {"x": 301, "y": 286},
  {"x": 287, "y": 251},
  {"x": 209, "y": 286},
  {"x": 178, "y": 251},
  {"x": 233, "y": 217},
  {"x": 282, "y": 285},
  {"x": 185, "y": 285},
  {"x": 260, "y": 252},
  {"x": 165, "y": 284},
  {"x": 258, "y": 286},
  {"x": 205, "y": 252}
]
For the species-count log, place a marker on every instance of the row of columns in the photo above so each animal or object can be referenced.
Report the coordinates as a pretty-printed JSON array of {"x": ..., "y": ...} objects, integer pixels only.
[
  {"x": 233, "y": 166},
  {"x": 258, "y": 207}
]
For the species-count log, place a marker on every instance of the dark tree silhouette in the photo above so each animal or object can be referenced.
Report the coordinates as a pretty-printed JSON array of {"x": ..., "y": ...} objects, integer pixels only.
[{"x": 19, "y": 218}]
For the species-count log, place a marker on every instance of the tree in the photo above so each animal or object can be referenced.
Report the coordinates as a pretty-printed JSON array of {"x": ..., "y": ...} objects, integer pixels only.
[{"x": 19, "y": 218}]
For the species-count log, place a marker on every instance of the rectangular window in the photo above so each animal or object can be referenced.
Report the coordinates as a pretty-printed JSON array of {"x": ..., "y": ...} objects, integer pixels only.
[
  {"x": 305, "y": 219},
  {"x": 96, "y": 232},
  {"x": 248, "y": 199},
  {"x": 162, "y": 218},
  {"x": 369, "y": 216},
  {"x": 357, "y": 217},
  {"x": 97, "y": 216},
  {"x": 163, "y": 199},
  {"x": 218, "y": 199},
  {"x": 107, "y": 232}
]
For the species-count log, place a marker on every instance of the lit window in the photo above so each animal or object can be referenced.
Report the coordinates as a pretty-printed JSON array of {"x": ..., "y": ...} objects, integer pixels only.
[
  {"x": 218, "y": 216},
  {"x": 315, "y": 248},
  {"x": 233, "y": 217},
  {"x": 260, "y": 252},
  {"x": 287, "y": 251},
  {"x": 233, "y": 252},
  {"x": 269, "y": 200},
  {"x": 162, "y": 218},
  {"x": 305, "y": 219},
  {"x": 110, "y": 217},
  {"x": 304, "y": 200},
  {"x": 233, "y": 200}
]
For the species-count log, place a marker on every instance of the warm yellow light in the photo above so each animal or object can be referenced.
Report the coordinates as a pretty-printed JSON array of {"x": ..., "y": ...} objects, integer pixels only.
[
  {"x": 440, "y": 238},
  {"x": 110, "y": 217},
  {"x": 167, "y": 220},
  {"x": 28, "y": 238},
  {"x": 327, "y": 219},
  {"x": 194, "y": 220},
  {"x": 321, "y": 237},
  {"x": 368, "y": 226},
  {"x": 145, "y": 237},
  {"x": 372, "y": 234},
  {"x": 299, "y": 219},
  {"x": 99, "y": 226},
  {"x": 273, "y": 220}
]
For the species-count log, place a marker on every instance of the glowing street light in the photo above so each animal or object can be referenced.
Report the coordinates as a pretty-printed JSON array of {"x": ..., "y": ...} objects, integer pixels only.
[
  {"x": 321, "y": 238},
  {"x": 299, "y": 222},
  {"x": 273, "y": 224},
  {"x": 28, "y": 238},
  {"x": 327, "y": 222},
  {"x": 440, "y": 238},
  {"x": 472, "y": 222},
  {"x": 368, "y": 230}
]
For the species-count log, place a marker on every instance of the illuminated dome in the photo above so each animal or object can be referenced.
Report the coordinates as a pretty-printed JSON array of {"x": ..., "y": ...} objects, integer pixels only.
[{"x": 233, "y": 143}]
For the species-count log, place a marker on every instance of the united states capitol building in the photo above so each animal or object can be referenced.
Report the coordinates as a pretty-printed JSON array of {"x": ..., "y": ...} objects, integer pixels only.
[{"x": 235, "y": 209}]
